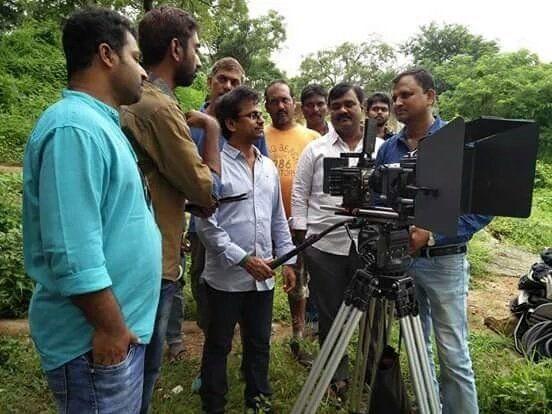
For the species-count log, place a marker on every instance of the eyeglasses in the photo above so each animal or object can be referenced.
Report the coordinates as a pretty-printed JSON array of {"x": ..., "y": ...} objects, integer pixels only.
[{"x": 254, "y": 116}]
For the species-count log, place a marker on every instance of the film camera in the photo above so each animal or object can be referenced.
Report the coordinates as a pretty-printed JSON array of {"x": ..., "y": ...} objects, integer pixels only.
[{"x": 462, "y": 168}]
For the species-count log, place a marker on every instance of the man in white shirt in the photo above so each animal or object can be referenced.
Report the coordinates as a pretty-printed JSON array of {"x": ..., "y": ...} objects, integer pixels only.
[
  {"x": 239, "y": 240},
  {"x": 331, "y": 261}
]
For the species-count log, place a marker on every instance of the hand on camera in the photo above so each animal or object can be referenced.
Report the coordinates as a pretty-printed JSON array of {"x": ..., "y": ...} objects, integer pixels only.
[
  {"x": 258, "y": 268},
  {"x": 418, "y": 239},
  {"x": 110, "y": 348}
]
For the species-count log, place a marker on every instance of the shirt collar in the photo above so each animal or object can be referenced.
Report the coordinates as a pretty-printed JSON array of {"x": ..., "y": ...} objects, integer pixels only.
[
  {"x": 234, "y": 153},
  {"x": 161, "y": 85},
  {"x": 335, "y": 138},
  {"x": 96, "y": 103},
  {"x": 438, "y": 123}
]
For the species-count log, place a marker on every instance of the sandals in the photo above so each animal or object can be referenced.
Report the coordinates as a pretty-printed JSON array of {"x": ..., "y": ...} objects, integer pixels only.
[{"x": 177, "y": 352}]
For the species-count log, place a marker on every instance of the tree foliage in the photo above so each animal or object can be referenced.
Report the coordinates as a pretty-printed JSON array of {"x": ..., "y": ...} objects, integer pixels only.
[
  {"x": 436, "y": 44},
  {"x": 252, "y": 41},
  {"x": 369, "y": 64},
  {"x": 509, "y": 85}
]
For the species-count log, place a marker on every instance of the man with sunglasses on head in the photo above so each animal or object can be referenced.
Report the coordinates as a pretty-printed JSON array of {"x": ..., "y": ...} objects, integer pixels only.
[
  {"x": 168, "y": 157},
  {"x": 286, "y": 140},
  {"x": 240, "y": 239}
]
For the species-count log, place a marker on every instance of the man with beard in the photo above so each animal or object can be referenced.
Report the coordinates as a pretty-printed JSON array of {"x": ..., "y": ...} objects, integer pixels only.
[
  {"x": 167, "y": 155},
  {"x": 286, "y": 140},
  {"x": 314, "y": 105},
  {"x": 90, "y": 238},
  {"x": 439, "y": 268},
  {"x": 332, "y": 261},
  {"x": 240, "y": 239},
  {"x": 378, "y": 107}
]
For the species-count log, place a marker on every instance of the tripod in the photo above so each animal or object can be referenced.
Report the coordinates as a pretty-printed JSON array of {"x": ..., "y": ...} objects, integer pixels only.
[{"x": 376, "y": 293}]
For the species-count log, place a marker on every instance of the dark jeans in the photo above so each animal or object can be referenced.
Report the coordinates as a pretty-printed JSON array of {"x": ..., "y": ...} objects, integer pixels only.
[
  {"x": 254, "y": 311},
  {"x": 198, "y": 286},
  {"x": 330, "y": 275},
  {"x": 176, "y": 316},
  {"x": 82, "y": 387},
  {"x": 154, "y": 350}
]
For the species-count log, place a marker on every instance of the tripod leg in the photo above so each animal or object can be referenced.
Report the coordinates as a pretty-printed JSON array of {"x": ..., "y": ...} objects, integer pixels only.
[
  {"x": 334, "y": 360},
  {"x": 361, "y": 355},
  {"x": 384, "y": 332},
  {"x": 361, "y": 361},
  {"x": 413, "y": 360},
  {"x": 341, "y": 319},
  {"x": 425, "y": 365}
]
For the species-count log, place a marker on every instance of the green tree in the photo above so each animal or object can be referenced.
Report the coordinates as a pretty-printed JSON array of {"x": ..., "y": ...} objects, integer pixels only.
[
  {"x": 369, "y": 64},
  {"x": 11, "y": 13},
  {"x": 436, "y": 44},
  {"x": 231, "y": 32},
  {"x": 509, "y": 85}
]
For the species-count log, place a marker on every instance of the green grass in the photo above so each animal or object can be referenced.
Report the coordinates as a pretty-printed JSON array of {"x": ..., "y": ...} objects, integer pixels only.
[
  {"x": 533, "y": 233},
  {"x": 506, "y": 383}
]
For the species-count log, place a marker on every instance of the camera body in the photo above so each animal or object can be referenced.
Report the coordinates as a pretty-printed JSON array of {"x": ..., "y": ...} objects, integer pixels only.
[{"x": 365, "y": 186}]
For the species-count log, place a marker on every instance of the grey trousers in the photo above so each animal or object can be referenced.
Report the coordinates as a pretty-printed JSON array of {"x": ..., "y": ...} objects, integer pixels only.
[{"x": 330, "y": 275}]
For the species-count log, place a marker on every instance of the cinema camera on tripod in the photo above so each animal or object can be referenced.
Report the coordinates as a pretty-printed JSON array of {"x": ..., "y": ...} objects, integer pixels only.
[{"x": 486, "y": 166}]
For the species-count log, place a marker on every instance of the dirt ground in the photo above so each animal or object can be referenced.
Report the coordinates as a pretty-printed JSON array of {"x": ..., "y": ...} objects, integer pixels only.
[{"x": 9, "y": 168}]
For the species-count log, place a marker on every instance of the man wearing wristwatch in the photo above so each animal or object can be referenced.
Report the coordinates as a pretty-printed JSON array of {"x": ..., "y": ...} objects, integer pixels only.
[{"x": 439, "y": 267}]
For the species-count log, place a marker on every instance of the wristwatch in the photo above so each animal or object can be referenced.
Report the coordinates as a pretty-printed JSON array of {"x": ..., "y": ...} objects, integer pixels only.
[{"x": 431, "y": 240}]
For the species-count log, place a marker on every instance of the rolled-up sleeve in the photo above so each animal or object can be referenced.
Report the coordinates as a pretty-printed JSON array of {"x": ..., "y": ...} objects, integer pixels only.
[
  {"x": 301, "y": 190},
  {"x": 72, "y": 174},
  {"x": 217, "y": 240}
]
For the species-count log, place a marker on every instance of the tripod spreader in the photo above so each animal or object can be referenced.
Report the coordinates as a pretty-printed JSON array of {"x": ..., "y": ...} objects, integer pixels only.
[{"x": 309, "y": 241}]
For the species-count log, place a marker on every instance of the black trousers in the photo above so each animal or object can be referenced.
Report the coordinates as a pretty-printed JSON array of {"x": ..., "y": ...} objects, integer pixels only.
[
  {"x": 197, "y": 265},
  {"x": 254, "y": 312},
  {"x": 330, "y": 275}
]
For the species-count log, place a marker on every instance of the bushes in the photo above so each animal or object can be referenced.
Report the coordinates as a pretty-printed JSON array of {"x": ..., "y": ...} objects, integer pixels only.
[
  {"x": 32, "y": 73},
  {"x": 15, "y": 287}
]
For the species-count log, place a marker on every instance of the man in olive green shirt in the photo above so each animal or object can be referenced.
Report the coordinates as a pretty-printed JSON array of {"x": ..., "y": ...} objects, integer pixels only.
[{"x": 168, "y": 157}]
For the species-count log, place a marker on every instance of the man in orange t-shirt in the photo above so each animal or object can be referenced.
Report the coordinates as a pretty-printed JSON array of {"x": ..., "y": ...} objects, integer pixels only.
[{"x": 286, "y": 140}]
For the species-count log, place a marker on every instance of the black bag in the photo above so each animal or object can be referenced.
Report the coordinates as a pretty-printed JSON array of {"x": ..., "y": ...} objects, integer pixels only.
[
  {"x": 533, "y": 333},
  {"x": 389, "y": 395}
]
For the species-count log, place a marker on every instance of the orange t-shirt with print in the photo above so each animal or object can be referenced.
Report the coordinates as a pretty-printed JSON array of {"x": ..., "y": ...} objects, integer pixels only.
[{"x": 285, "y": 148}]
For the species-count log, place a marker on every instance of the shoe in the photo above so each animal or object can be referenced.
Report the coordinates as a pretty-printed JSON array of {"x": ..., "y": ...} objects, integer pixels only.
[
  {"x": 303, "y": 357},
  {"x": 196, "y": 384},
  {"x": 262, "y": 405},
  {"x": 337, "y": 392}
]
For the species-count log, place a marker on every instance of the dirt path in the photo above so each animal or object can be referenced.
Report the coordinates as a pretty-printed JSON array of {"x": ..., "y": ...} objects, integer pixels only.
[
  {"x": 10, "y": 168},
  {"x": 492, "y": 294}
]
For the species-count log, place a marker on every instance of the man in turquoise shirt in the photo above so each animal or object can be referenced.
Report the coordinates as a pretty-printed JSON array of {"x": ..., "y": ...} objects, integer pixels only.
[{"x": 90, "y": 239}]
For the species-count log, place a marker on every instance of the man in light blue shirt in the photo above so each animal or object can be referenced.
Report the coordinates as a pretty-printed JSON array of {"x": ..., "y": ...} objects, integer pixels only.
[
  {"x": 90, "y": 239},
  {"x": 240, "y": 239}
]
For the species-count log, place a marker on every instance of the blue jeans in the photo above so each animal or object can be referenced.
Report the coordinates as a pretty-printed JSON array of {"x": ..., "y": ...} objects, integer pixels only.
[
  {"x": 82, "y": 387},
  {"x": 442, "y": 290},
  {"x": 154, "y": 350}
]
